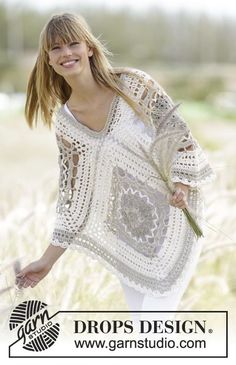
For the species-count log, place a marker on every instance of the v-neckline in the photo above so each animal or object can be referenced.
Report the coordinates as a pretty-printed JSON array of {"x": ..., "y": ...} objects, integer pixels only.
[{"x": 85, "y": 127}]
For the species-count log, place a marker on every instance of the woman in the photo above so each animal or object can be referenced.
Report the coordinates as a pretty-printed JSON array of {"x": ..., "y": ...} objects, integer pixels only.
[{"x": 112, "y": 201}]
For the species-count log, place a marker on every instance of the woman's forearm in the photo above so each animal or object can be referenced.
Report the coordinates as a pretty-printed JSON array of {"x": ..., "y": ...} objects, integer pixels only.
[{"x": 52, "y": 254}]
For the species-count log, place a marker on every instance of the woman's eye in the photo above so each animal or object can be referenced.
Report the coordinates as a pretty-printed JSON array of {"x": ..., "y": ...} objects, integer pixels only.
[
  {"x": 55, "y": 47},
  {"x": 74, "y": 43}
]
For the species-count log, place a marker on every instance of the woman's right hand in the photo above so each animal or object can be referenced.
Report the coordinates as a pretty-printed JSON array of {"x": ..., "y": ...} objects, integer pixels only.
[{"x": 32, "y": 274}]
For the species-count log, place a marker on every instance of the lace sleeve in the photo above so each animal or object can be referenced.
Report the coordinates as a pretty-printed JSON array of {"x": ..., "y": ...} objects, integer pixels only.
[
  {"x": 190, "y": 164},
  {"x": 68, "y": 161}
]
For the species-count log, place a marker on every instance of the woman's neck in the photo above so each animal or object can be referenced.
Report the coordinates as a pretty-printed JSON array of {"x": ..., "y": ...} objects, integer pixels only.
[{"x": 84, "y": 88}]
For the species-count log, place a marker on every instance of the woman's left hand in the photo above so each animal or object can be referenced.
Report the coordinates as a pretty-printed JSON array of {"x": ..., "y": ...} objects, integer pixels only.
[{"x": 179, "y": 198}]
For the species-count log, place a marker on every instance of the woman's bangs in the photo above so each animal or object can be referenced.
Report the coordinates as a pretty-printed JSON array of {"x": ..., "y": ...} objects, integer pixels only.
[{"x": 62, "y": 33}]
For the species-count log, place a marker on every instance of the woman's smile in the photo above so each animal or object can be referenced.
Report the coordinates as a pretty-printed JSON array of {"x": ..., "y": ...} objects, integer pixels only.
[{"x": 69, "y": 63}]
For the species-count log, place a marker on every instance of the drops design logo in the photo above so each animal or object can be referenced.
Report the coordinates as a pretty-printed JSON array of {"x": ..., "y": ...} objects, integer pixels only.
[{"x": 34, "y": 326}]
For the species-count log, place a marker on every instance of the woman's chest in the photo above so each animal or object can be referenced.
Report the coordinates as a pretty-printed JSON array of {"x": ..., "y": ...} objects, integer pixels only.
[
  {"x": 123, "y": 127},
  {"x": 94, "y": 118}
]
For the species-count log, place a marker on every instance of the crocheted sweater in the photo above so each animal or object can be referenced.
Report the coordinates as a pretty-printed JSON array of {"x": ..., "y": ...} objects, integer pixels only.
[{"x": 112, "y": 202}]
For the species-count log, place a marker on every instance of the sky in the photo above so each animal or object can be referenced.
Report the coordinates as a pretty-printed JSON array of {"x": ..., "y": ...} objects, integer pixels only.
[{"x": 211, "y": 7}]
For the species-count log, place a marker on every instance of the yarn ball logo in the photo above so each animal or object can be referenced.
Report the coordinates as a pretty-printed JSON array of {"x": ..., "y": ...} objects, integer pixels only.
[{"x": 34, "y": 325}]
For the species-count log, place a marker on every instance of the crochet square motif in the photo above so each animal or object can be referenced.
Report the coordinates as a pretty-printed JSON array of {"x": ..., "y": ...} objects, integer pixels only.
[{"x": 137, "y": 213}]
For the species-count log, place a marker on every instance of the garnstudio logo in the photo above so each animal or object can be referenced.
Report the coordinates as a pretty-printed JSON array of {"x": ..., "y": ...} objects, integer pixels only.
[{"x": 34, "y": 326}]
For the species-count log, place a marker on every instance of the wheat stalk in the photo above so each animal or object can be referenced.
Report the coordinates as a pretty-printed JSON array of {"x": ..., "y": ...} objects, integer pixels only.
[{"x": 165, "y": 145}]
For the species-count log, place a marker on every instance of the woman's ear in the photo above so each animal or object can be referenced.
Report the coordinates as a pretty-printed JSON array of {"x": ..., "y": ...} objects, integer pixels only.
[{"x": 90, "y": 51}]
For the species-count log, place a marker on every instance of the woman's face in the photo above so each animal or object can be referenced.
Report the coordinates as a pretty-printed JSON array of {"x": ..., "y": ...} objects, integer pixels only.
[{"x": 69, "y": 59}]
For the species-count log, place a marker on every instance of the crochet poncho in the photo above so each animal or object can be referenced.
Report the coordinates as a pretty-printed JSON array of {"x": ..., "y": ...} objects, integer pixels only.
[{"x": 112, "y": 203}]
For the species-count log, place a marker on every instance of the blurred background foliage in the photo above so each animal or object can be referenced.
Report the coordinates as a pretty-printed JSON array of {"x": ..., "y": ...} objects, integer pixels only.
[
  {"x": 193, "y": 57},
  {"x": 154, "y": 38}
]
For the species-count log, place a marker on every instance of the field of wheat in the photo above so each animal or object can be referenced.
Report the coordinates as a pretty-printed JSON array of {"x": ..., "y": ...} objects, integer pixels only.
[{"x": 29, "y": 178}]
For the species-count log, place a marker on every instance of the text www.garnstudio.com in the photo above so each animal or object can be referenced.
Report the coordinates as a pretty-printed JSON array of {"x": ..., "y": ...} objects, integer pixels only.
[{"x": 162, "y": 342}]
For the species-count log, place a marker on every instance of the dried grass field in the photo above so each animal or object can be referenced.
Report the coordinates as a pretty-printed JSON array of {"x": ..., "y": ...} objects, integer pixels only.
[{"x": 28, "y": 191}]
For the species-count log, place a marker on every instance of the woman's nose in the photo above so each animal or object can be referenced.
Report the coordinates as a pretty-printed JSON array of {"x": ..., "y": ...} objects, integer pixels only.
[{"x": 66, "y": 50}]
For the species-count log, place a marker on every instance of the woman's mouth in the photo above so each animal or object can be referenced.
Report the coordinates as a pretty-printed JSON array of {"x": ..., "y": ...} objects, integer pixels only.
[{"x": 69, "y": 64}]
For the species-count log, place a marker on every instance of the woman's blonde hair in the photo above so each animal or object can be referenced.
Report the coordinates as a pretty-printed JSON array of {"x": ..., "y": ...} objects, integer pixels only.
[{"x": 46, "y": 89}]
